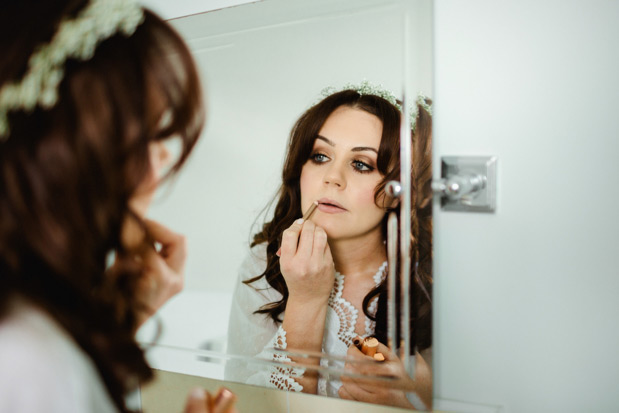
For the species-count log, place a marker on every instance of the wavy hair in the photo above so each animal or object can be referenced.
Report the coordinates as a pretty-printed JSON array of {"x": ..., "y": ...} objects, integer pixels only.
[
  {"x": 288, "y": 206},
  {"x": 67, "y": 175}
]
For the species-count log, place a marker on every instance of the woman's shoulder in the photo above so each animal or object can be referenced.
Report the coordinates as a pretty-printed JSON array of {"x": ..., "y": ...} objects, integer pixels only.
[
  {"x": 34, "y": 333},
  {"x": 254, "y": 265},
  {"x": 255, "y": 262},
  {"x": 41, "y": 356}
]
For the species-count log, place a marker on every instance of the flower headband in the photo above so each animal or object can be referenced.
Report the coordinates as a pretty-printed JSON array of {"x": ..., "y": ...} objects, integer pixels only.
[
  {"x": 366, "y": 88},
  {"x": 75, "y": 39}
]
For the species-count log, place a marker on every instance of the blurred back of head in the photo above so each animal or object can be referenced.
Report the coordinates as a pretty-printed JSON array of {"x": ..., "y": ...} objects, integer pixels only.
[{"x": 67, "y": 172}]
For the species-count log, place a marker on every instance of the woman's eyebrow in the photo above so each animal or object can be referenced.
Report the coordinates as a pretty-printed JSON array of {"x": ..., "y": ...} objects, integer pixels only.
[
  {"x": 322, "y": 138},
  {"x": 355, "y": 149},
  {"x": 363, "y": 148}
]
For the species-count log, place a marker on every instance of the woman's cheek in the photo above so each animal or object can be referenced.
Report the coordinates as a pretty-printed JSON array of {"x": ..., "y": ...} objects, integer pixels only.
[
  {"x": 144, "y": 194},
  {"x": 306, "y": 182},
  {"x": 365, "y": 195}
]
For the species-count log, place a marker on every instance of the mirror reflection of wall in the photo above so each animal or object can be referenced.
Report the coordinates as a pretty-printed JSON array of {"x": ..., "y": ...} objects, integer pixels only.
[{"x": 263, "y": 65}]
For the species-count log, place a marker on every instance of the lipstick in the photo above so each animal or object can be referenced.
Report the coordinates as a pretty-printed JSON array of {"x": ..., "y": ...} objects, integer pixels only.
[{"x": 310, "y": 211}]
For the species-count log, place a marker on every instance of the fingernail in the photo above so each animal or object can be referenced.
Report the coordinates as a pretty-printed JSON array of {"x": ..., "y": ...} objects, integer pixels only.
[
  {"x": 357, "y": 342},
  {"x": 225, "y": 399},
  {"x": 299, "y": 221},
  {"x": 198, "y": 394},
  {"x": 225, "y": 393}
]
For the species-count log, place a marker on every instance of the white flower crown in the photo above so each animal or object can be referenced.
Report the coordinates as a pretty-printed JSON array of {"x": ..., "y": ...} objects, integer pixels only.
[
  {"x": 77, "y": 39},
  {"x": 367, "y": 88}
]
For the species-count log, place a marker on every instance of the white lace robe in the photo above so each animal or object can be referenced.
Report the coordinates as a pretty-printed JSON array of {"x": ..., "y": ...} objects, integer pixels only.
[{"x": 256, "y": 334}]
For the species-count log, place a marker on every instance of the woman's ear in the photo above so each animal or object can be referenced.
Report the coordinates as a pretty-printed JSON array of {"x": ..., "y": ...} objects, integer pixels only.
[{"x": 388, "y": 202}]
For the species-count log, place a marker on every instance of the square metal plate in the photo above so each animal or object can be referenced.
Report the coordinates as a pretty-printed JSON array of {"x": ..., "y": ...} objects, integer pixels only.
[{"x": 483, "y": 200}]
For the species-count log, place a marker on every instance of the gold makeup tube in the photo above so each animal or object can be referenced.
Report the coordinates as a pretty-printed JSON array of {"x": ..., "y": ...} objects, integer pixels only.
[
  {"x": 310, "y": 211},
  {"x": 369, "y": 346}
]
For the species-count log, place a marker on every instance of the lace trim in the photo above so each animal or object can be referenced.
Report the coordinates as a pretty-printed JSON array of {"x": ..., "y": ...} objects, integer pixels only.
[
  {"x": 347, "y": 313},
  {"x": 381, "y": 274},
  {"x": 379, "y": 277},
  {"x": 281, "y": 377}
]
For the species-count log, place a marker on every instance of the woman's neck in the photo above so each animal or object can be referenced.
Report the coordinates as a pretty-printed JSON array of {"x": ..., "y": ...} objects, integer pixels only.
[{"x": 359, "y": 257}]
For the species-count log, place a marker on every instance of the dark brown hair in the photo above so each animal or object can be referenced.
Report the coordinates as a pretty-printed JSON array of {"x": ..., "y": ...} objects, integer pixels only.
[
  {"x": 67, "y": 174},
  {"x": 288, "y": 206}
]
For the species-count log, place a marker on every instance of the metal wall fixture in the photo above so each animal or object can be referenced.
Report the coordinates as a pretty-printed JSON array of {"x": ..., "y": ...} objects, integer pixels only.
[{"x": 468, "y": 183}]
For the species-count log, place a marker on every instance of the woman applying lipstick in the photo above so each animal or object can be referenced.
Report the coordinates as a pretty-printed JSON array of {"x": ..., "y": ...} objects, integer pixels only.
[{"x": 314, "y": 285}]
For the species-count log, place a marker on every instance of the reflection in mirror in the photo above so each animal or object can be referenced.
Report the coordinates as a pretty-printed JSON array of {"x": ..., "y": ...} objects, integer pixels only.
[
  {"x": 317, "y": 284},
  {"x": 265, "y": 65}
]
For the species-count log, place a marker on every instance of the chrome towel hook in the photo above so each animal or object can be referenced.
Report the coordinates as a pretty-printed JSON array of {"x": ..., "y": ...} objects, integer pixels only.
[{"x": 467, "y": 183}]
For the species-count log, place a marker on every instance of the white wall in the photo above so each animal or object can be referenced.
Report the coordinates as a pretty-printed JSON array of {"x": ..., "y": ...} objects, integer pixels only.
[
  {"x": 527, "y": 299},
  {"x": 181, "y": 8}
]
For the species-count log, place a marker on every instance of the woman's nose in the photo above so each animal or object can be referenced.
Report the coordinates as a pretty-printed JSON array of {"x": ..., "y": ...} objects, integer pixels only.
[{"x": 335, "y": 176}]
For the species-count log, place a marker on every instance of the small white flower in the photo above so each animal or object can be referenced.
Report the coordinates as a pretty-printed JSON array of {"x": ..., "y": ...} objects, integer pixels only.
[
  {"x": 29, "y": 91},
  {"x": 76, "y": 38},
  {"x": 367, "y": 88},
  {"x": 48, "y": 98},
  {"x": 8, "y": 95}
]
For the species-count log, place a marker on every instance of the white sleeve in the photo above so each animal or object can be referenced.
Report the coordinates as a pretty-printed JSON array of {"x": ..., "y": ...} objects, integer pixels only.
[
  {"x": 43, "y": 370},
  {"x": 254, "y": 335}
]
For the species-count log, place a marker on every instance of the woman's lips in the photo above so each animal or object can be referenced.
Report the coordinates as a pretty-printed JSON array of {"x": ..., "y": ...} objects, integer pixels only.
[{"x": 330, "y": 207}]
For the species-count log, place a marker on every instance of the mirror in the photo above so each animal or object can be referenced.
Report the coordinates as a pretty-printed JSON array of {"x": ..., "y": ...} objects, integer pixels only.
[{"x": 263, "y": 64}]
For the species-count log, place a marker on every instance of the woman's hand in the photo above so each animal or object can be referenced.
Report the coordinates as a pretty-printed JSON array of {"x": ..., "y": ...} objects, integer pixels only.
[
  {"x": 164, "y": 268},
  {"x": 392, "y": 392},
  {"x": 306, "y": 263},
  {"x": 201, "y": 401},
  {"x": 307, "y": 267}
]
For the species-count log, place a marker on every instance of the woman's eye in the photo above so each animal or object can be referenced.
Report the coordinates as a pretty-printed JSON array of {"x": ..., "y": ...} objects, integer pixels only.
[
  {"x": 362, "y": 166},
  {"x": 319, "y": 158}
]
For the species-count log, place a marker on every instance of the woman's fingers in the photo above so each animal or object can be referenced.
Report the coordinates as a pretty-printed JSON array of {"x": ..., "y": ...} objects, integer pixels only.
[
  {"x": 200, "y": 401},
  {"x": 224, "y": 401},
  {"x": 306, "y": 241},
  {"x": 196, "y": 402},
  {"x": 353, "y": 392},
  {"x": 389, "y": 355},
  {"x": 377, "y": 368},
  {"x": 290, "y": 239},
  {"x": 308, "y": 276},
  {"x": 159, "y": 274},
  {"x": 173, "y": 245},
  {"x": 319, "y": 243},
  {"x": 355, "y": 353},
  {"x": 344, "y": 394},
  {"x": 163, "y": 275}
]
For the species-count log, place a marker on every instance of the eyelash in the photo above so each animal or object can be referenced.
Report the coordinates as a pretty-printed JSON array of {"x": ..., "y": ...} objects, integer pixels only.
[{"x": 368, "y": 169}]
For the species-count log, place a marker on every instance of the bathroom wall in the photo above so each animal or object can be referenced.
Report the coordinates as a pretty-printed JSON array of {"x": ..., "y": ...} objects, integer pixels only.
[{"x": 526, "y": 299}]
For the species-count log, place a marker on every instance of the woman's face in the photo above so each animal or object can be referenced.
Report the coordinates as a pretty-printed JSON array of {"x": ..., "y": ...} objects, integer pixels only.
[
  {"x": 159, "y": 159},
  {"x": 341, "y": 175}
]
